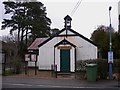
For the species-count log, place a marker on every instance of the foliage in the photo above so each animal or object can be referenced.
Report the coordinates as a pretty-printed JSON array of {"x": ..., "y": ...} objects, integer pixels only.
[
  {"x": 9, "y": 46},
  {"x": 13, "y": 60},
  {"x": 116, "y": 45},
  {"x": 26, "y": 18},
  {"x": 102, "y": 67},
  {"x": 101, "y": 38},
  {"x": 54, "y": 31},
  {"x": 8, "y": 72},
  {"x": 17, "y": 64},
  {"x": 116, "y": 66},
  {"x": 27, "y": 15},
  {"x": 81, "y": 64},
  {"x": 29, "y": 20},
  {"x": 36, "y": 14}
]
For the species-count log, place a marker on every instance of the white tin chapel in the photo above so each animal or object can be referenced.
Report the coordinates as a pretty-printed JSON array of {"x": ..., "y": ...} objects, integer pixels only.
[{"x": 64, "y": 49}]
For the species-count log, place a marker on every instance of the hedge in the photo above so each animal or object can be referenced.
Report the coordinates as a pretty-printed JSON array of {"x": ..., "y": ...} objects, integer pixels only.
[{"x": 102, "y": 67}]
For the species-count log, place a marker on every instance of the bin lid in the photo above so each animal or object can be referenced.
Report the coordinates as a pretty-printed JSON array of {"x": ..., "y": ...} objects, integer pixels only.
[{"x": 91, "y": 65}]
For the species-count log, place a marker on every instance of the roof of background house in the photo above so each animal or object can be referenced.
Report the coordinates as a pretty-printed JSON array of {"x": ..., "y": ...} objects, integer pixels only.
[{"x": 36, "y": 42}]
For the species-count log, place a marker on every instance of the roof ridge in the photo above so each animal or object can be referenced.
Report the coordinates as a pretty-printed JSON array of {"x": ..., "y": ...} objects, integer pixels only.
[{"x": 80, "y": 35}]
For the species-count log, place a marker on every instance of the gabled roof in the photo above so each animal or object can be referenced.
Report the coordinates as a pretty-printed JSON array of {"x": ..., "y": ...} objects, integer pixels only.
[
  {"x": 57, "y": 34},
  {"x": 68, "y": 18},
  {"x": 63, "y": 42},
  {"x": 36, "y": 42}
]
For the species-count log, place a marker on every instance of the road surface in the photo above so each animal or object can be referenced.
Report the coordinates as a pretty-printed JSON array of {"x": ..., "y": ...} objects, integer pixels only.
[{"x": 14, "y": 82}]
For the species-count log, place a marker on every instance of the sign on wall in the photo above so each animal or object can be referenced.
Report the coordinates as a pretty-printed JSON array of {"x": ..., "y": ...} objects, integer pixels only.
[{"x": 110, "y": 57}]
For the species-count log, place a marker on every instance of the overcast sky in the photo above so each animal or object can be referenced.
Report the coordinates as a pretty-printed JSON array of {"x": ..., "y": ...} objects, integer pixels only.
[{"x": 89, "y": 15}]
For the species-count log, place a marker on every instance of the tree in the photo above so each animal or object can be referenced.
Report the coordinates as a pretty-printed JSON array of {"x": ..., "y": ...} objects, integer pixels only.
[
  {"x": 54, "y": 31},
  {"x": 116, "y": 44},
  {"x": 101, "y": 37},
  {"x": 40, "y": 24},
  {"x": 12, "y": 59},
  {"x": 26, "y": 17}
]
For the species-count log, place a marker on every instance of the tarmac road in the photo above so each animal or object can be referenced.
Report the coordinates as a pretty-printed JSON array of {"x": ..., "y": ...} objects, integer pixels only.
[{"x": 36, "y": 83}]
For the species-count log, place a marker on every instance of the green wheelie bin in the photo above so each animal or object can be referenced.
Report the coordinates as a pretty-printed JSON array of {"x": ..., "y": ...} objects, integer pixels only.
[{"x": 91, "y": 70}]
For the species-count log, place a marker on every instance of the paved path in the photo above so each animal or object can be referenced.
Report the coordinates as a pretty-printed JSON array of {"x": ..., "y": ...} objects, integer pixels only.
[{"x": 18, "y": 82}]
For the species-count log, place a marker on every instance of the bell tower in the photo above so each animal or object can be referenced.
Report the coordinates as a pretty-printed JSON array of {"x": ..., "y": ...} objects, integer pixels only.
[{"x": 68, "y": 20}]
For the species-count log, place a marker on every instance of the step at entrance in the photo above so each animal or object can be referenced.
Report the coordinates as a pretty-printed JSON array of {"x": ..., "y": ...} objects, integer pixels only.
[{"x": 66, "y": 75}]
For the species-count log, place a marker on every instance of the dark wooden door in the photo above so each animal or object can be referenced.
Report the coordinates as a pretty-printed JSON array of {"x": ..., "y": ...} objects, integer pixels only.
[{"x": 65, "y": 60}]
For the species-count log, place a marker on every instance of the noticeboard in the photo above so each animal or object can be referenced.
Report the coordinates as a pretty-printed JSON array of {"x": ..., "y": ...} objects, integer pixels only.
[
  {"x": 27, "y": 57},
  {"x": 33, "y": 57},
  {"x": 110, "y": 57}
]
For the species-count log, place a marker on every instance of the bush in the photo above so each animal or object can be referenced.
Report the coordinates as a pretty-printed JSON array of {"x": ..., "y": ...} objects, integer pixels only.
[
  {"x": 8, "y": 72},
  {"x": 81, "y": 68},
  {"x": 102, "y": 67},
  {"x": 17, "y": 64},
  {"x": 116, "y": 66},
  {"x": 81, "y": 64}
]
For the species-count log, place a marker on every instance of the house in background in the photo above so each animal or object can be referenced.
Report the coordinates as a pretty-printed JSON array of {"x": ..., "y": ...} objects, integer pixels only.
[{"x": 64, "y": 49}]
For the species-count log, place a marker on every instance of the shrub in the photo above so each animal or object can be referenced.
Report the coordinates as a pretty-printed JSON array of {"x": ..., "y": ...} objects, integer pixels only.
[
  {"x": 81, "y": 68},
  {"x": 8, "y": 72},
  {"x": 116, "y": 66},
  {"x": 102, "y": 67},
  {"x": 81, "y": 64},
  {"x": 17, "y": 64}
]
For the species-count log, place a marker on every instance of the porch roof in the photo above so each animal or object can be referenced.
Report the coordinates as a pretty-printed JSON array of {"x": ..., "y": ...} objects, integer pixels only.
[{"x": 35, "y": 43}]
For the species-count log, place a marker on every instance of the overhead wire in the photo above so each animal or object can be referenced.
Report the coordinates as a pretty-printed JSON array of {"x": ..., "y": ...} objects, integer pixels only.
[{"x": 76, "y": 7}]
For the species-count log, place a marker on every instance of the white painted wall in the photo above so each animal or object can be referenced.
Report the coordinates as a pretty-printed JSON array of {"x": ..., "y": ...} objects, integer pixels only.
[
  {"x": 46, "y": 54},
  {"x": 57, "y": 58},
  {"x": 85, "y": 51},
  {"x": 46, "y": 58},
  {"x": 72, "y": 59}
]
